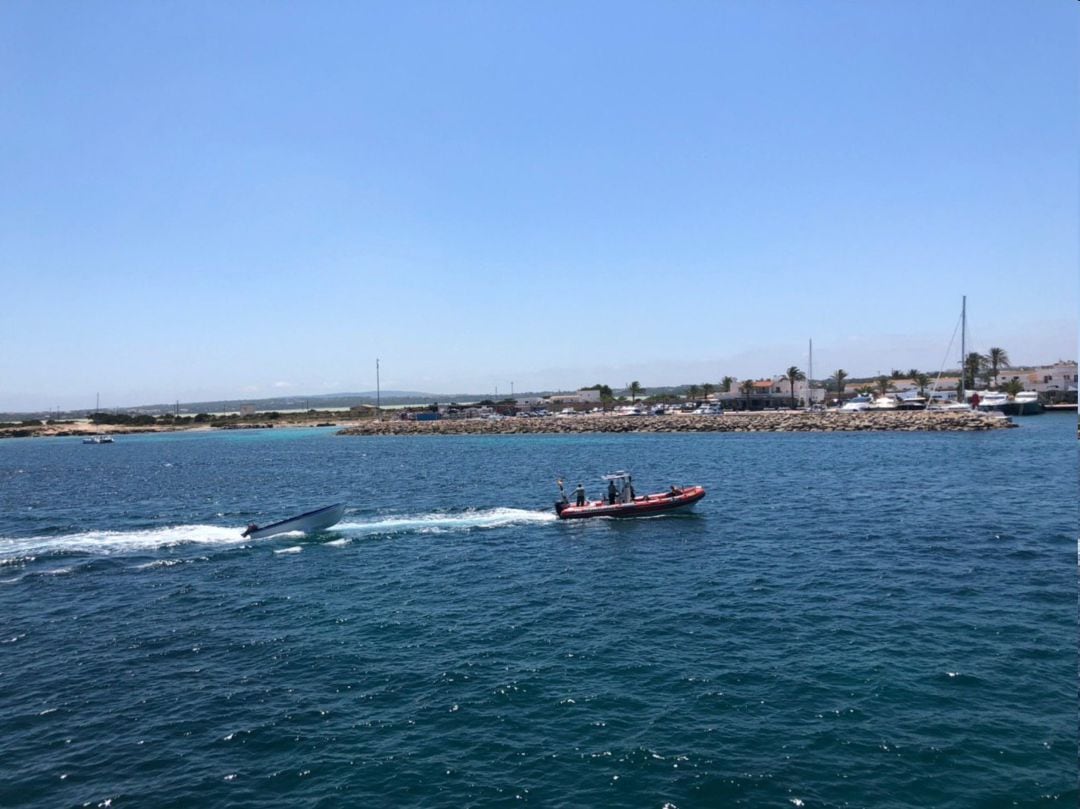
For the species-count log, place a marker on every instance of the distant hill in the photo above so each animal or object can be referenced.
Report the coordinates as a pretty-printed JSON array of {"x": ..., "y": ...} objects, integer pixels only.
[
  {"x": 318, "y": 402},
  {"x": 326, "y": 401}
]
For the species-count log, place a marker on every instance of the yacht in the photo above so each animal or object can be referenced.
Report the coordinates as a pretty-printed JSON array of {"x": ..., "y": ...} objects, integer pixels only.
[
  {"x": 940, "y": 404},
  {"x": 1025, "y": 403},
  {"x": 885, "y": 402},
  {"x": 856, "y": 404},
  {"x": 910, "y": 401}
]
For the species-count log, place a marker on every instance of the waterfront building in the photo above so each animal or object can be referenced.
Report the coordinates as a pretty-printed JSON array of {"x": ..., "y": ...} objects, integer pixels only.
[
  {"x": 1057, "y": 381},
  {"x": 772, "y": 394},
  {"x": 577, "y": 397}
]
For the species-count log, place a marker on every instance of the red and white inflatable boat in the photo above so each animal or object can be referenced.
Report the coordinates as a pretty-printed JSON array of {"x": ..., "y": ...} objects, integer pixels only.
[{"x": 629, "y": 505}]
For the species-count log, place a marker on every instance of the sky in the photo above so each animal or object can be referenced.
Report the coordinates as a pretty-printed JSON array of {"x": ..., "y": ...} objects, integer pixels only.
[{"x": 239, "y": 200}]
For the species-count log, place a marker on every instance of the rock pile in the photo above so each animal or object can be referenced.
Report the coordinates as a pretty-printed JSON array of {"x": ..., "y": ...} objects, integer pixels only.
[{"x": 775, "y": 421}]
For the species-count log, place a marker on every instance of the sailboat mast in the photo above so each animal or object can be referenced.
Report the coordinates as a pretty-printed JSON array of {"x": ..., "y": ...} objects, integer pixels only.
[
  {"x": 810, "y": 377},
  {"x": 963, "y": 347}
]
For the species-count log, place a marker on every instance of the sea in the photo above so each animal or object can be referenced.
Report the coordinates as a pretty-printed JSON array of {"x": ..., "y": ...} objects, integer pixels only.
[{"x": 846, "y": 620}]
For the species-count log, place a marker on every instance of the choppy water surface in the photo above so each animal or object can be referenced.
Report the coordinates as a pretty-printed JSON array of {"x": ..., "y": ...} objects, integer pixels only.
[{"x": 845, "y": 620}]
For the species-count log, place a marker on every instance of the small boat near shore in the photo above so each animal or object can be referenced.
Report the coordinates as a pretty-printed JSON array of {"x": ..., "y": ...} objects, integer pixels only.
[
  {"x": 306, "y": 523},
  {"x": 622, "y": 502},
  {"x": 98, "y": 438}
]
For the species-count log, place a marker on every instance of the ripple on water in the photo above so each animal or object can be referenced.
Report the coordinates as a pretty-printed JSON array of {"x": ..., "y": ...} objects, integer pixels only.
[{"x": 804, "y": 639}]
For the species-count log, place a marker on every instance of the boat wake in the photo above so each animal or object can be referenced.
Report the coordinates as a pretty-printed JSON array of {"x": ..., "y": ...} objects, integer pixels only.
[
  {"x": 443, "y": 522},
  {"x": 110, "y": 543},
  {"x": 23, "y": 550}
]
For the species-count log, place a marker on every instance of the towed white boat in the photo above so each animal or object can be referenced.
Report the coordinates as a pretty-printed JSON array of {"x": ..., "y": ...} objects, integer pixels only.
[{"x": 306, "y": 523}]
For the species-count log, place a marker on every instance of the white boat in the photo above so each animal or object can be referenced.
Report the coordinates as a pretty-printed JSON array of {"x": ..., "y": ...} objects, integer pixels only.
[
  {"x": 1025, "y": 403},
  {"x": 988, "y": 400},
  {"x": 100, "y": 438},
  {"x": 939, "y": 405},
  {"x": 305, "y": 523},
  {"x": 856, "y": 404},
  {"x": 883, "y": 403},
  {"x": 708, "y": 410},
  {"x": 911, "y": 402}
]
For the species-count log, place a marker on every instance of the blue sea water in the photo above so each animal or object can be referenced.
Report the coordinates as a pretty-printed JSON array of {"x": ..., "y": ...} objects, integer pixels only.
[{"x": 872, "y": 619}]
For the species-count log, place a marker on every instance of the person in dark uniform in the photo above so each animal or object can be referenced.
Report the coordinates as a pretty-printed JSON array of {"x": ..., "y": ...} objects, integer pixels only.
[
  {"x": 579, "y": 493},
  {"x": 612, "y": 492}
]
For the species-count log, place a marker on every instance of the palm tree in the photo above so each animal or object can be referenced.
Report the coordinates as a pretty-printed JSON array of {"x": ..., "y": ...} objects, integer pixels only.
[
  {"x": 692, "y": 393},
  {"x": 635, "y": 390},
  {"x": 747, "y": 388},
  {"x": 998, "y": 358},
  {"x": 839, "y": 376},
  {"x": 726, "y": 383},
  {"x": 973, "y": 366},
  {"x": 706, "y": 389},
  {"x": 921, "y": 380},
  {"x": 794, "y": 375},
  {"x": 884, "y": 384},
  {"x": 1013, "y": 386}
]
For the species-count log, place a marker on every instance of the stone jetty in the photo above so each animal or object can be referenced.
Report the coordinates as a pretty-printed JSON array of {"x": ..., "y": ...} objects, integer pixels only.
[{"x": 764, "y": 422}]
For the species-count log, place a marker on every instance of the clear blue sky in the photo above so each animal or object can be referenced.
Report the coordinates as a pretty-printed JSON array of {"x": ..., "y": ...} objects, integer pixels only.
[{"x": 244, "y": 199}]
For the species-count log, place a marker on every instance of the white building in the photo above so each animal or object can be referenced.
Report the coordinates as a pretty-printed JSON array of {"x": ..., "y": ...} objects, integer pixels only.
[
  {"x": 1061, "y": 377},
  {"x": 577, "y": 397},
  {"x": 775, "y": 392}
]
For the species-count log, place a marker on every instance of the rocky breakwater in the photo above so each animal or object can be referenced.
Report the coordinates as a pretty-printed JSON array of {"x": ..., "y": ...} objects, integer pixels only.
[{"x": 777, "y": 421}]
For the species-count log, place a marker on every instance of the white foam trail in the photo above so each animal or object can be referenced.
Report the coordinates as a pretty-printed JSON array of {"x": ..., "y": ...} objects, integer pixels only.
[
  {"x": 106, "y": 543},
  {"x": 438, "y": 522},
  {"x": 293, "y": 549}
]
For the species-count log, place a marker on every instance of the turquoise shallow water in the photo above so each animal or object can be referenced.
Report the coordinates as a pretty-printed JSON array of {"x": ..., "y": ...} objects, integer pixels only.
[{"x": 846, "y": 620}]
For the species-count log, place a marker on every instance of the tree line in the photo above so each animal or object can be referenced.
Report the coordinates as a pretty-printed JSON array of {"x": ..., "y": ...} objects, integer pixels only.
[{"x": 975, "y": 366}]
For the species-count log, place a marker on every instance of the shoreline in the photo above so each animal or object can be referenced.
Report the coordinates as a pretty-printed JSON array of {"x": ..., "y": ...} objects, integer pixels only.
[{"x": 738, "y": 422}]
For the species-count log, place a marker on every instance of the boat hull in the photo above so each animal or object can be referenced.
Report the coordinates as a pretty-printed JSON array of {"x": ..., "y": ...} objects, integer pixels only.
[
  {"x": 1022, "y": 408},
  {"x": 640, "y": 507},
  {"x": 306, "y": 523}
]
